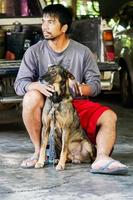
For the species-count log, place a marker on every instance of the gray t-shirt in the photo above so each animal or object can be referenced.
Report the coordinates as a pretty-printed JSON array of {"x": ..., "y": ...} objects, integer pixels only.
[{"x": 77, "y": 58}]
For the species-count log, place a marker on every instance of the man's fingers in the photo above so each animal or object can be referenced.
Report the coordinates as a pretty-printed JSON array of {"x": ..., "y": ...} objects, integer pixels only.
[
  {"x": 80, "y": 90},
  {"x": 50, "y": 88},
  {"x": 46, "y": 89},
  {"x": 76, "y": 88}
]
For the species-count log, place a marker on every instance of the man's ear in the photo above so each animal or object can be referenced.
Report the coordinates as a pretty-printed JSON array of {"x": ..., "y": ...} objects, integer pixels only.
[{"x": 64, "y": 28}]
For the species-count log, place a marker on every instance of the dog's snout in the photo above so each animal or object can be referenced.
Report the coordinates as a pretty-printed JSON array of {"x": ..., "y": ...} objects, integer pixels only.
[{"x": 53, "y": 72}]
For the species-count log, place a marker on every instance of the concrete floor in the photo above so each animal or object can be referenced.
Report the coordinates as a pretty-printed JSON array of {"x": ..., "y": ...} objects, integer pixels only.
[{"x": 74, "y": 183}]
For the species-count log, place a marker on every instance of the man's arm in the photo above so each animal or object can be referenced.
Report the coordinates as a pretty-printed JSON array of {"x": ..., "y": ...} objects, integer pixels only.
[
  {"x": 85, "y": 90},
  {"x": 27, "y": 73},
  {"x": 91, "y": 84}
]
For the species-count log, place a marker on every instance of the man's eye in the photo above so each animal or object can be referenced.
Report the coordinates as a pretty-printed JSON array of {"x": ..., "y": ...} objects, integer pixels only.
[{"x": 51, "y": 22}]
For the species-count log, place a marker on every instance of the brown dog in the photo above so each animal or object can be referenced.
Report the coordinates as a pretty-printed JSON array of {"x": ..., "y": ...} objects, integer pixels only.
[{"x": 70, "y": 141}]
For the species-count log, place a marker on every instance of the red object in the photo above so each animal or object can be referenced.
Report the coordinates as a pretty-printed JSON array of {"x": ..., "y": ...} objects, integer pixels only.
[
  {"x": 10, "y": 55},
  {"x": 89, "y": 112},
  {"x": 24, "y": 8}
]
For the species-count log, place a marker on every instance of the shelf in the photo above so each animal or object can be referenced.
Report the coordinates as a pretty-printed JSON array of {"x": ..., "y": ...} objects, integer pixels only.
[{"x": 24, "y": 20}]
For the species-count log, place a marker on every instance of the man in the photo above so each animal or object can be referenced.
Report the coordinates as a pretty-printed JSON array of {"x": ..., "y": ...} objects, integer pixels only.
[{"x": 98, "y": 121}]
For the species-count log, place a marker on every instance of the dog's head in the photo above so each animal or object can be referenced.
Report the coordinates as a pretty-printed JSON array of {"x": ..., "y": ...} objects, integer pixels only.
[{"x": 59, "y": 78}]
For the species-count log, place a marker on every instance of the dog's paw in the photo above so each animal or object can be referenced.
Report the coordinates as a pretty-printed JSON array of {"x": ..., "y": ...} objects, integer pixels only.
[
  {"x": 39, "y": 165},
  {"x": 60, "y": 167},
  {"x": 76, "y": 161}
]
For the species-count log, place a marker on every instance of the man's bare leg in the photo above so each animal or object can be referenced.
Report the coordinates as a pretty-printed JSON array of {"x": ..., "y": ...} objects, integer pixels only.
[
  {"x": 33, "y": 103},
  {"x": 105, "y": 141}
]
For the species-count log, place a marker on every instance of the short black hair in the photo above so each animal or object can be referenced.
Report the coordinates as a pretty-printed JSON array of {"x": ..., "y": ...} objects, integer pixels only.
[{"x": 63, "y": 13}]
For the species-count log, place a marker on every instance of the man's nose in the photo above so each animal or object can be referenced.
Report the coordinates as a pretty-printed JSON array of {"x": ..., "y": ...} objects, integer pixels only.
[{"x": 45, "y": 25}]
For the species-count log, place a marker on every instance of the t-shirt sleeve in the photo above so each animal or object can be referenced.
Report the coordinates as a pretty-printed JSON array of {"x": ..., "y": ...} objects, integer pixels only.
[
  {"x": 92, "y": 73},
  {"x": 27, "y": 72}
]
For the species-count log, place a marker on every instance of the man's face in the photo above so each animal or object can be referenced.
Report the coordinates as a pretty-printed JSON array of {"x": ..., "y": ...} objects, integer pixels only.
[{"x": 51, "y": 27}]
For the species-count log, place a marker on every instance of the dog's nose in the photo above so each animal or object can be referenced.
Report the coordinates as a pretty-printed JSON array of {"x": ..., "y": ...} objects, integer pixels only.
[{"x": 53, "y": 72}]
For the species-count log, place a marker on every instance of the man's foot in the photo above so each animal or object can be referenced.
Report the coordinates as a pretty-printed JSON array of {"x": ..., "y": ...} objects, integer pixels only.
[
  {"x": 109, "y": 166},
  {"x": 30, "y": 162}
]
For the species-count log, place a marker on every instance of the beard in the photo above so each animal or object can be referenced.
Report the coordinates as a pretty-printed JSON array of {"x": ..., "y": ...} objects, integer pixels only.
[{"x": 49, "y": 36}]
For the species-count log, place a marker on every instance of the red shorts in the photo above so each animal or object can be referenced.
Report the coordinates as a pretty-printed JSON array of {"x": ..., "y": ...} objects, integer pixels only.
[{"x": 89, "y": 112}]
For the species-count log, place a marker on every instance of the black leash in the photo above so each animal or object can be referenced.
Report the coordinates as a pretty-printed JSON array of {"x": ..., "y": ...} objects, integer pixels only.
[{"x": 52, "y": 151}]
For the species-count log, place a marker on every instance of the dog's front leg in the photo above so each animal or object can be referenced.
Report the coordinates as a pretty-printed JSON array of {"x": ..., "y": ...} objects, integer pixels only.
[
  {"x": 44, "y": 142},
  {"x": 64, "y": 150}
]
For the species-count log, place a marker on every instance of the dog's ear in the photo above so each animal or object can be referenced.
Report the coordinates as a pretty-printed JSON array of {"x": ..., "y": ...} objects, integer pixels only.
[
  {"x": 66, "y": 74},
  {"x": 69, "y": 75}
]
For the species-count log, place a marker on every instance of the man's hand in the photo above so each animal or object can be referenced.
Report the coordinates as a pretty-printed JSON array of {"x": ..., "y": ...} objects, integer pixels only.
[
  {"x": 43, "y": 88},
  {"x": 74, "y": 87},
  {"x": 46, "y": 89},
  {"x": 77, "y": 89}
]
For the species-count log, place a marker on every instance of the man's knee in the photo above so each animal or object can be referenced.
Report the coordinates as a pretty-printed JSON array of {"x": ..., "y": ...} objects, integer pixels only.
[
  {"x": 32, "y": 99},
  {"x": 111, "y": 115},
  {"x": 107, "y": 117}
]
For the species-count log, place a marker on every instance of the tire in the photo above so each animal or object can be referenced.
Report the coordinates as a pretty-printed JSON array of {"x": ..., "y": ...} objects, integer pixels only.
[{"x": 126, "y": 90}]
